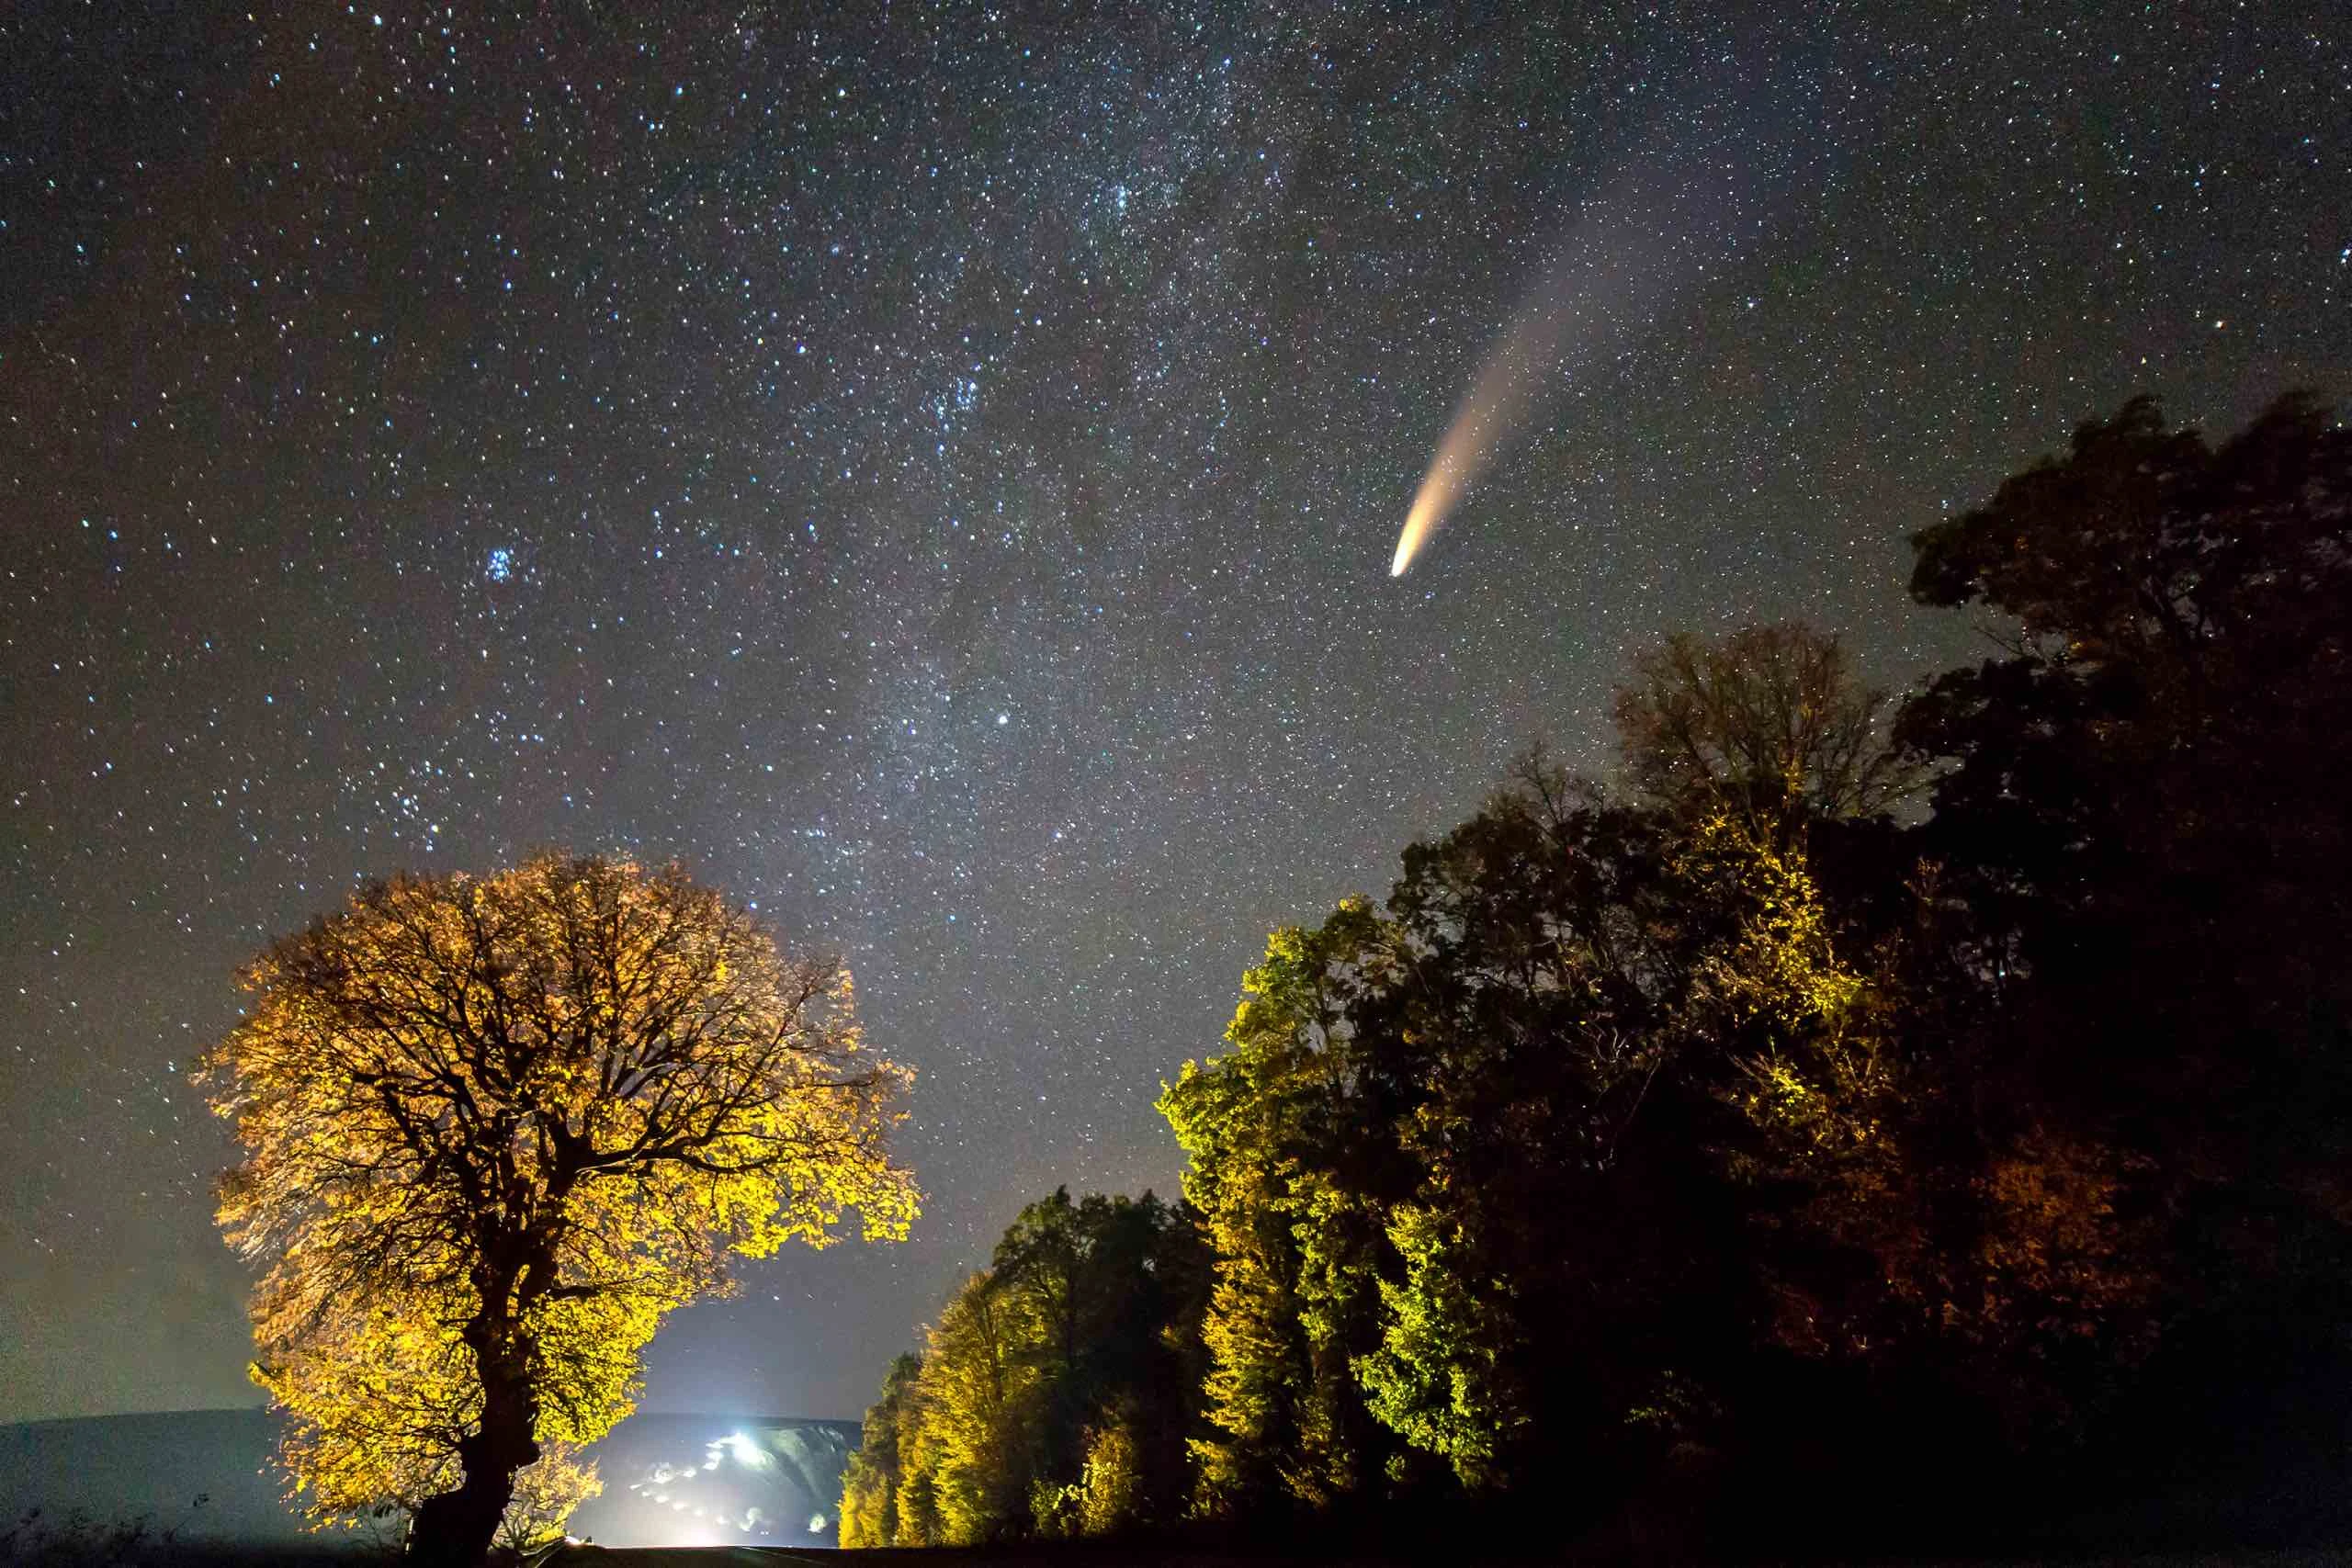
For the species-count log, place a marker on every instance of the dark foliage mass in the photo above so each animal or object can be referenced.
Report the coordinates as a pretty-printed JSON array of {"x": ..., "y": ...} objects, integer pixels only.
[{"x": 1888, "y": 1116}]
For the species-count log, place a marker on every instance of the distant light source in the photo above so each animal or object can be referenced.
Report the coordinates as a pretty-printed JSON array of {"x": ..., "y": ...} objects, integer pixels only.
[{"x": 747, "y": 1452}]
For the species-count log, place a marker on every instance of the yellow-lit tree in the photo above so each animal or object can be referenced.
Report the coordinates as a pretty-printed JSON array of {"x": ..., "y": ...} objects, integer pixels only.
[
  {"x": 877, "y": 1468},
  {"x": 493, "y": 1130},
  {"x": 1291, "y": 1273},
  {"x": 1049, "y": 1399},
  {"x": 545, "y": 1496}
]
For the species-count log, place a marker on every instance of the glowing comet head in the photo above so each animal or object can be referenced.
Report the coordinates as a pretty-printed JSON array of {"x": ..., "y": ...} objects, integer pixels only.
[
  {"x": 1458, "y": 460},
  {"x": 1505, "y": 385},
  {"x": 1417, "y": 528}
]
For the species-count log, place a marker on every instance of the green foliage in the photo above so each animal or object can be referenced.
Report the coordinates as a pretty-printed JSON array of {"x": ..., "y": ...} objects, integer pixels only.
[
  {"x": 1051, "y": 1396},
  {"x": 876, "y": 1471},
  {"x": 981, "y": 1400},
  {"x": 1441, "y": 1378},
  {"x": 1734, "y": 1126},
  {"x": 1267, "y": 1127},
  {"x": 1110, "y": 1489},
  {"x": 1619, "y": 1110}
]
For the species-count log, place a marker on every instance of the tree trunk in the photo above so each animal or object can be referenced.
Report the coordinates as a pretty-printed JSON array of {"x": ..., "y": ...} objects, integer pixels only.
[{"x": 456, "y": 1528}]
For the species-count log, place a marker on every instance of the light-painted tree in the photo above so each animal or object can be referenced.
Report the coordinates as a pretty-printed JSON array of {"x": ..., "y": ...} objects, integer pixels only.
[
  {"x": 982, "y": 1397},
  {"x": 495, "y": 1129},
  {"x": 1292, "y": 1263},
  {"x": 872, "y": 1479},
  {"x": 547, "y": 1493}
]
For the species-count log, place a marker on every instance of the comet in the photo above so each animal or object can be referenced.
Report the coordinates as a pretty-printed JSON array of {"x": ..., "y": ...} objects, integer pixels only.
[
  {"x": 1503, "y": 388},
  {"x": 1676, "y": 206}
]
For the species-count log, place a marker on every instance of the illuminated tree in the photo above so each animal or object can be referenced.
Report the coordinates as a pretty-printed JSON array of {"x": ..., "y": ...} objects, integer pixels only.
[
  {"x": 981, "y": 1395},
  {"x": 547, "y": 1493},
  {"x": 1263, "y": 1128},
  {"x": 1098, "y": 1282},
  {"x": 1111, "y": 1485},
  {"x": 1052, "y": 1396},
  {"x": 493, "y": 1130},
  {"x": 871, "y": 1481},
  {"x": 1561, "y": 1236}
]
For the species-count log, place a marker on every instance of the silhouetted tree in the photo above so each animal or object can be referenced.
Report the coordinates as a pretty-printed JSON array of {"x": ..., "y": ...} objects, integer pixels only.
[
  {"x": 1768, "y": 720},
  {"x": 2146, "y": 844}
]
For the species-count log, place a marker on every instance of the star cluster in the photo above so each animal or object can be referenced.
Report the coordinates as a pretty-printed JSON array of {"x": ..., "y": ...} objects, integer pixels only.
[{"x": 932, "y": 470}]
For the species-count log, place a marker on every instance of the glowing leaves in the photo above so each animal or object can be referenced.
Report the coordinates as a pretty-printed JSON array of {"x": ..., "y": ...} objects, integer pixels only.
[
  {"x": 1774, "y": 966},
  {"x": 494, "y": 1131},
  {"x": 546, "y": 1494},
  {"x": 378, "y": 1397},
  {"x": 1052, "y": 1392},
  {"x": 1256, "y": 1126},
  {"x": 1443, "y": 1376}
]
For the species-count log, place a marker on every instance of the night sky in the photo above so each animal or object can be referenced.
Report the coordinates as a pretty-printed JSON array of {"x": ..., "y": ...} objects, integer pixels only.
[{"x": 934, "y": 472}]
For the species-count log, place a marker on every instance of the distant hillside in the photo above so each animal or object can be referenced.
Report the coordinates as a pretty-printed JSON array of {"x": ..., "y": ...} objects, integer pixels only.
[
  {"x": 668, "y": 1479},
  {"x": 112, "y": 1468}
]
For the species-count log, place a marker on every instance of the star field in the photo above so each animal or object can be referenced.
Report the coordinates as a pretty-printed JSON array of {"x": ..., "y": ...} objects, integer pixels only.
[{"x": 934, "y": 472}]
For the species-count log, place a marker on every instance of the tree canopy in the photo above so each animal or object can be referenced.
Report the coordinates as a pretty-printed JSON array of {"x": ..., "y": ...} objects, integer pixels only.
[
  {"x": 1770, "y": 717},
  {"x": 493, "y": 1130},
  {"x": 1947, "y": 1093},
  {"x": 1051, "y": 1397}
]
